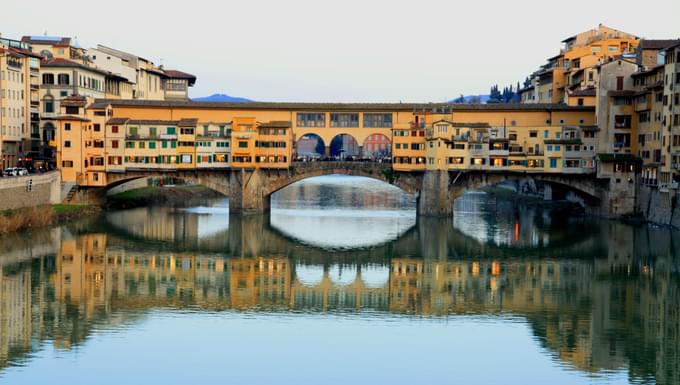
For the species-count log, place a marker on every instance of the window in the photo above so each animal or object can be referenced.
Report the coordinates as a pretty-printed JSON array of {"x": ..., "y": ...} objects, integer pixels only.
[
  {"x": 72, "y": 110},
  {"x": 152, "y": 132},
  {"x": 533, "y": 134},
  {"x": 114, "y": 144},
  {"x": 372, "y": 120},
  {"x": 243, "y": 144},
  {"x": 67, "y": 126},
  {"x": 553, "y": 163},
  {"x": 67, "y": 143},
  {"x": 173, "y": 144},
  {"x": 619, "y": 83},
  {"x": 142, "y": 145},
  {"x": 172, "y": 130},
  {"x": 152, "y": 145},
  {"x": 63, "y": 79},
  {"x": 622, "y": 121},
  {"x": 114, "y": 129},
  {"x": 48, "y": 104},
  {"x": 48, "y": 78},
  {"x": 311, "y": 119},
  {"x": 612, "y": 48},
  {"x": 129, "y": 144},
  {"x": 344, "y": 120},
  {"x": 545, "y": 134},
  {"x": 66, "y": 163}
]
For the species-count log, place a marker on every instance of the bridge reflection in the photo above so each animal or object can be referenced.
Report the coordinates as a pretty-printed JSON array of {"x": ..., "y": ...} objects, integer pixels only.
[{"x": 588, "y": 305}]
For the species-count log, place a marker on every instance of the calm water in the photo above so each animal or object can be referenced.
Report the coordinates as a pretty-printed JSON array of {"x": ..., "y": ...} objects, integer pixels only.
[{"x": 341, "y": 285}]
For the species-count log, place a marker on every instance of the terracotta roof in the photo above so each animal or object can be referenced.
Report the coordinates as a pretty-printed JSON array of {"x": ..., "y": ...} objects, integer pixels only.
[
  {"x": 117, "y": 121},
  {"x": 72, "y": 117},
  {"x": 152, "y": 122},
  {"x": 174, "y": 74},
  {"x": 188, "y": 122},
  {"x": 657, "y": 44},
  {"x": 276, "y": 124},
  {"x": 59, "y": 41},
  {"x": 378, "y": 107},
  {"x": 60, "y": 62},
  {"x": 74, "y": 101}
]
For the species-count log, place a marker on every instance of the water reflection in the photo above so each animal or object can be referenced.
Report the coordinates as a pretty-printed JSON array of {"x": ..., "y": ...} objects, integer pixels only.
[
  {"x": 602, "y": 302},
  {"x": 337, "y": 212}
]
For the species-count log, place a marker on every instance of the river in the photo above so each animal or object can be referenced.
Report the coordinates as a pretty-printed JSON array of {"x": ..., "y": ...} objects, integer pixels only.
[{"x": 341, "y": 284}]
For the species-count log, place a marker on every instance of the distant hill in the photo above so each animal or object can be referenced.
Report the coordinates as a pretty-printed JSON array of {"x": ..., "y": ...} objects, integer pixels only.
[
  {"x": 222, "y": 98},
  {"x": 470, "y": 98}
]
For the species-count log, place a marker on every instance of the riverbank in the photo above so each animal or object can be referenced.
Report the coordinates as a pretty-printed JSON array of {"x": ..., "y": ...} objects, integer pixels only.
[
  {"x": 153, "y": 195},
  {"x": 41, "y": 216}
]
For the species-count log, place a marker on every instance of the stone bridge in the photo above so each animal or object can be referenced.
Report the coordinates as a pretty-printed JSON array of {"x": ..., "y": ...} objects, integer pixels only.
[{"x": 250, "y": 190}]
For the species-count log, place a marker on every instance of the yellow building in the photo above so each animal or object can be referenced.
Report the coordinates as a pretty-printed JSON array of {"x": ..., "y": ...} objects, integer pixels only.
[
  {"x": 122, "y": 135},
  {"x": 19, "y": 69},
  {"x": 571, "y": 74}
]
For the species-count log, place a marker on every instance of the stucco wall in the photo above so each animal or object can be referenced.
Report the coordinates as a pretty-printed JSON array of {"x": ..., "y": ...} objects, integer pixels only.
[{"x": 44, "y": 189}]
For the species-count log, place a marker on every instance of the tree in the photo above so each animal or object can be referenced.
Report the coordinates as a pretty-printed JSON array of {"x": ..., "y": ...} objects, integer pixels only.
[{"x": 495, "y": 95}]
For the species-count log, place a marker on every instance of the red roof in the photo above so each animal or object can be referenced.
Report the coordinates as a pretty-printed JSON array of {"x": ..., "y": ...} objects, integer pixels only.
[{"x": 174, "y": 74}]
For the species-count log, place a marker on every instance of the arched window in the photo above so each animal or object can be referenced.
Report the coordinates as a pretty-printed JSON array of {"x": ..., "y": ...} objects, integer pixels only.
[
  {"x": 48, "y": 78},
  {"x": 63, "y": 79},
  {"x": 48, "y": 103}
]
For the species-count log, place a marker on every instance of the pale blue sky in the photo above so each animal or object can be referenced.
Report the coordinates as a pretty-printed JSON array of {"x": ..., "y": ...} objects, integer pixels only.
[{"x": 313, "y": 50}]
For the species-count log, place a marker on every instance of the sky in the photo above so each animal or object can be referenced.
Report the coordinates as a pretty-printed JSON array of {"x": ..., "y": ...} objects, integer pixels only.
[{"x": 340, "y": 51}]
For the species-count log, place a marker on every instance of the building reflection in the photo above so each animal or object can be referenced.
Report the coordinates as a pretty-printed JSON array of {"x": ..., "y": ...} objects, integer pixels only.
[
  {"x": 592, "y": 308},
  {"x": 593, "y": 314}
]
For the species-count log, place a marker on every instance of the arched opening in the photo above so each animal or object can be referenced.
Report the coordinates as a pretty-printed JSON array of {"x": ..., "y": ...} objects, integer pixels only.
[
  {"x": 523, "y": 212},
  {"x": 342, "y": 211},
  {"x": 344, "y": 147},
  {"x": 377, "y": 147},
  {"x": 310, "y": 147}
]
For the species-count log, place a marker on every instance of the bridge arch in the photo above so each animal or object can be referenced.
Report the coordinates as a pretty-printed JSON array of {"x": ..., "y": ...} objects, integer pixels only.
[
  {"x": 344, "y": 145},
  {"x": 310, "y": 145},
  {"x": 584, "y": 186},
  {"x": 377, "y": 146},
  {"x": 378, "y": 171},
  {"x": 213, "y": 180}
]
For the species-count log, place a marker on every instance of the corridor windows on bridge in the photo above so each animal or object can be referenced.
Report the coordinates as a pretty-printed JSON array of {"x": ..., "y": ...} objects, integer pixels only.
[
  {"x": 344, "y": 147},
  {"x": 344, "y": 120},
  {"x": 311, "y": 119},
  {"x": 377, "y": 120}
]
